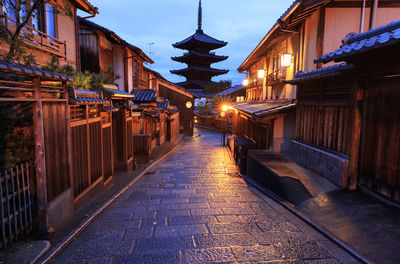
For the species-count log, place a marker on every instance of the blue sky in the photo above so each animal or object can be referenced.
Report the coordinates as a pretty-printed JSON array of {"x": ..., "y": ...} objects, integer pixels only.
[{"x": 164, "y": 22}]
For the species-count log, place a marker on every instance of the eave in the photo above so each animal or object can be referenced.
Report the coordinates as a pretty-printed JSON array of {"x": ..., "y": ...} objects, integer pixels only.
[
  {"x": 84, "y": 5},
  {"x": 192, "y": 55}
]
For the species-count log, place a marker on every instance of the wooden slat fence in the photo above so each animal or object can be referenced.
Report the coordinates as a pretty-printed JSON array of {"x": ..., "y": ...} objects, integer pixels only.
[
  {"x": 325, "y": 126},
  {"x": 91, "y": 147},
  {"x": 380, "y": 155},
  {"x": 323, "y": 114},
  {"x": 16, "y": 208}
]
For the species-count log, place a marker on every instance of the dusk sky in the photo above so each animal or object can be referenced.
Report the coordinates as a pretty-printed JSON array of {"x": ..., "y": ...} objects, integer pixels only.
[{"x": 164, "y": 22}]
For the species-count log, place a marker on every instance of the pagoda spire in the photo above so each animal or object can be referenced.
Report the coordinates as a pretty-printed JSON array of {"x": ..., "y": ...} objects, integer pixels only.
[{"x": 200, "y": 18}]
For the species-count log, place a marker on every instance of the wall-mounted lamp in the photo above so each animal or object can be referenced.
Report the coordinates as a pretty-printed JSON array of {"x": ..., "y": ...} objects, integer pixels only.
[
  {"x": 286, "y": 60},
  {"x": 245, "y": 82},
  {"x": 261, "y": 74}
]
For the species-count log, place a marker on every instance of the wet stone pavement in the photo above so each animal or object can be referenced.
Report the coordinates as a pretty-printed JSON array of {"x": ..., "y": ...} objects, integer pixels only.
[{"x": 194, "y": 208}]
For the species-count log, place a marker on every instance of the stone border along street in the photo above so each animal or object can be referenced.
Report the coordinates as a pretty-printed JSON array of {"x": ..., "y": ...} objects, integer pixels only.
[{"x": 194, "y": 208}]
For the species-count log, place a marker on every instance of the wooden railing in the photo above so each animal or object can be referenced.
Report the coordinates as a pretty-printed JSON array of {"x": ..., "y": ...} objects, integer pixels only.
[
  {"x": 16, "y": 214},
  {"x": 38, "y": 39}
]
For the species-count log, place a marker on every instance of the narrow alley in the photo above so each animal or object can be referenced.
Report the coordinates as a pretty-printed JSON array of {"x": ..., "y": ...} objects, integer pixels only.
[{"x": 194, "y": 208}]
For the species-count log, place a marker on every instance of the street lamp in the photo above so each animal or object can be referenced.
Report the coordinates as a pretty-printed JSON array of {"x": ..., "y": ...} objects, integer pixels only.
[
  {"x": 245, "y": 82},
  {"x": 223, "y": 115}
]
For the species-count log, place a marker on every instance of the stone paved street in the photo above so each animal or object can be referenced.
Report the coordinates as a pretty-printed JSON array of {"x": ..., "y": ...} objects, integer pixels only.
[{"x": 194, "y": 208}]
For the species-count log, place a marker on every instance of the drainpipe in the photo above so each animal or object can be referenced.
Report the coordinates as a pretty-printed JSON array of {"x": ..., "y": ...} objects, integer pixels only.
[
  {"x": 362, "y": 16},
  {"x": 374, "y": 11}
]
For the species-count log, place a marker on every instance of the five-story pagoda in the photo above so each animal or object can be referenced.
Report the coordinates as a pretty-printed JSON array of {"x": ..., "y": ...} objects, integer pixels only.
[{"x": 199, "y": 58}]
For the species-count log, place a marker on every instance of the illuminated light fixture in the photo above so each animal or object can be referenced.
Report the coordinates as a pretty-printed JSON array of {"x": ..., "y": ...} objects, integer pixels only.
[
  {"x": 189, "y": 104},
  {"x": 224, "y": 108},
  {"x": 286, "y": 60},
  {"x": 260, "y": 74},
  {"x": 245, "y": 82},
  {"x": 223, "y": 114},
  {"x": 196, "y": 121}
]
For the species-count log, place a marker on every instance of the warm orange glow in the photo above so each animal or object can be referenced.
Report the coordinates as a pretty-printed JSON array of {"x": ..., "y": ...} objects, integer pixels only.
[
  {"x": 245, "y": 82},
  {"x": 223, "y": 114},
  {"x": 260, "y": 74},
  {"x": 196, "y": 121},
  {"x": 225, "y": 108},
  {"x": 286, "y": 60}
]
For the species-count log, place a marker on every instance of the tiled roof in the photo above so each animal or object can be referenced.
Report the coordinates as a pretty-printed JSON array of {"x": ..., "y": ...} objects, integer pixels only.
[
  {"x": 365, "y": 42},
  {"x": 143, "y": 95},
  {"x": 24, "y": 70},
  {"x": 333, "y": 70},
  {"x": 113, "y": 89},
  {"x": 88, "y": 101},
  {"x": 199, "y": 69},
  {"x": 200, "y": 93},
  {"x": 262, "y": 108},
  {"x": 199, "y": 36},
  {"x": 231, "y": 90},
  {"x": 163, "y": 105}
]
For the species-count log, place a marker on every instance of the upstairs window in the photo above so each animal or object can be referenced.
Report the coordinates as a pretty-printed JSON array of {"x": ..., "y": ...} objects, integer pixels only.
[{"x": 50, "y": 20}]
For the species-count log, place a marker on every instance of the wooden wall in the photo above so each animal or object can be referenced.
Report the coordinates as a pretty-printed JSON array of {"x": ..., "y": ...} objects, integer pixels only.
[
  {"x": 89, "y": 51},
  {"x": 323, "y": 114},
  {"x": 380, "y": 147},
  {"x": 262, "y": 134},
  {"x": 56, "y": 150},
  {"x": 186, "y": 115},
  {"x": 91, "y": 147}
]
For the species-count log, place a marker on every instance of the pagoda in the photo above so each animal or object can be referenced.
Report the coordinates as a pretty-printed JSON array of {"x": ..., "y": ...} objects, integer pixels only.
[{"x": 199, "y": 58}]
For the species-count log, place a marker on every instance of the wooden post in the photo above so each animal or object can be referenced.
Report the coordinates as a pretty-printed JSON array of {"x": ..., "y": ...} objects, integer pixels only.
[
  {"x": 320, "y": 35},
  {"x": 41, "y": 181},
  {"x": 355, "y": 133},
  {"x": 68, "y": 126}
]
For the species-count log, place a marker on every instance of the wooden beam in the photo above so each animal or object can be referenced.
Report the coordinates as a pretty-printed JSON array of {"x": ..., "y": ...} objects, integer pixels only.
[
  {"x": 320, "y": 35},
  {"x": 40, "y": 162},
  {"x": 355, "y": 133}
]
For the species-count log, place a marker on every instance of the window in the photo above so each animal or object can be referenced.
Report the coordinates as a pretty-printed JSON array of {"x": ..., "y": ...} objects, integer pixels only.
[{"x": 50, "y": 20}]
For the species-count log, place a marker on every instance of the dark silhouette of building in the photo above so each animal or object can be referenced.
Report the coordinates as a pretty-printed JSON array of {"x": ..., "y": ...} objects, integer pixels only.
[{"x": 199, "y": 58}]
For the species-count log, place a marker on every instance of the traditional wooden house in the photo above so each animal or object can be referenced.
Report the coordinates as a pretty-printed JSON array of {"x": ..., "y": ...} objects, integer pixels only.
[
  {"x": 103, "y": 51},
  {"x": 50, "y": 33},
  {"x": 177, "y": 96},
  {"x": 349, "y": 114},
  {"x": 306, "y": 30}
]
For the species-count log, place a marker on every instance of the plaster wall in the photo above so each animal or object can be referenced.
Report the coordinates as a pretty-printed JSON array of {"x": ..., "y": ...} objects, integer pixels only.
[
  {"x": 310, "y": 41},
  {"x": 67, "y": 33},
  {"x": 118, "y": 61},
  {"x": 130, "y": 71}
]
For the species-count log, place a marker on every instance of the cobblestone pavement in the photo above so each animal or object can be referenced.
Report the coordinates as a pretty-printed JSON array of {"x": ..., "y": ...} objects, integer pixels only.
[{"x": 193, "y": 208}]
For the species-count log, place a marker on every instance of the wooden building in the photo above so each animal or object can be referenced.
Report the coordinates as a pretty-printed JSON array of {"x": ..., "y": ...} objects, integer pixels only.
[
  {"x": 53, "y": 34},
  {"x": 103, "y": 51},
  {"x": 308, "y": 29},
  {"x": 348, "y": 115},
  {"x": 177, "y": 96}
]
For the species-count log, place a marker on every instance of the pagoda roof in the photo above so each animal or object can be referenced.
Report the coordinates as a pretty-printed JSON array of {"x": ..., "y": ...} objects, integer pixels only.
[
  {"x": 200, "y": 41},
  {"x": 194, "y": 55},
  {"x": 194, "y": 83},
  {"x": 195, "y": 70}
]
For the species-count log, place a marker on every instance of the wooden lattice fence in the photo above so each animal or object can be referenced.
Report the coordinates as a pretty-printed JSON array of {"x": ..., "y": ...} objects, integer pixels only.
[{"x": 16, "y": 207}]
